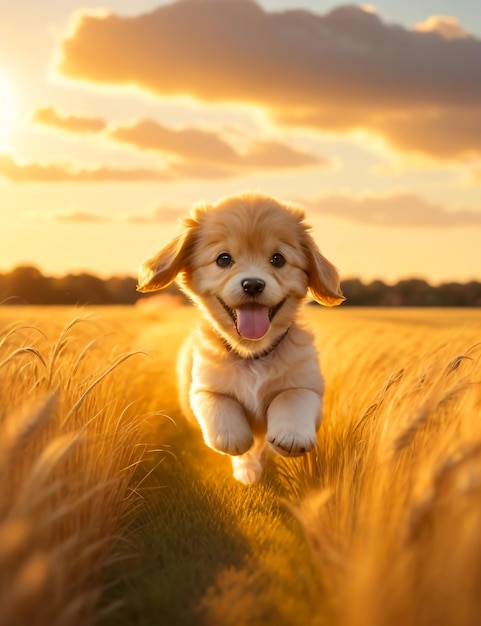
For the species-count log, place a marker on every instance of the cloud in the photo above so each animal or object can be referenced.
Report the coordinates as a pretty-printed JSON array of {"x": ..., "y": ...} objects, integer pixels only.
[
  {"x": 79, "y": 216},
  {"x": 194, "y": 152},
  {"x": 397, "y": 210},
  {"x": 447, "y": 26},
  {"x": 343, "y": 71},
  {"x": 189, "y": 153},
  {"x": 48, "y": 116},
  {"x": 157, "y": 216},
  {"x": 206, "y": 146},
  {"x": 188, "y": 143},
  {"x": 160, "y": 215},
  {"x": 72, "y": 215},
  {"x": 16, "y": 172},
  {"x": 449, "y": 134}
]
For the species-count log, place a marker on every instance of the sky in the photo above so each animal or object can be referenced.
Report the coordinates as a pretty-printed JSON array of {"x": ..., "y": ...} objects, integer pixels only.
[{"x": 117, "y": 117}]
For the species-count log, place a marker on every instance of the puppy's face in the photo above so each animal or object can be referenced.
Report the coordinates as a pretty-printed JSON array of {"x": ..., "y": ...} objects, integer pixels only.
[
  {"x": 248, "y": 269},
  {"x": 247, "y": 262}
]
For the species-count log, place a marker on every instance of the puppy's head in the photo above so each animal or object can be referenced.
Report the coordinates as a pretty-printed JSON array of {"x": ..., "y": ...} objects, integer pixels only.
[{"x": 248, "y": 262}]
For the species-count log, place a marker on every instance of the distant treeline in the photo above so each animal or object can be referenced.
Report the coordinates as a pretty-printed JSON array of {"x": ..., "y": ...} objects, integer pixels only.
[
  {"x": 411, "y": 292},
  {"x": 27, "y": 285}
]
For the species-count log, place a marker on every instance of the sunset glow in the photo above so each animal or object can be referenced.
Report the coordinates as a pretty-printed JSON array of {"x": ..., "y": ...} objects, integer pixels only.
[
  {"x": 7, "y": 110},
  {"x": 114, "y": 123}
]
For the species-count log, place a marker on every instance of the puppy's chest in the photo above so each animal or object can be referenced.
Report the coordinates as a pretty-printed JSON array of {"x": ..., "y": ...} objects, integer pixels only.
[
  {"x": 252, "y": 383},
  {"x": 253, "y": 387}
]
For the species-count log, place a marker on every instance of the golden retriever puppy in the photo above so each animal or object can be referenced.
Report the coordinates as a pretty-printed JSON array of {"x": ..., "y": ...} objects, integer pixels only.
[{"x": 249, "y": 372}]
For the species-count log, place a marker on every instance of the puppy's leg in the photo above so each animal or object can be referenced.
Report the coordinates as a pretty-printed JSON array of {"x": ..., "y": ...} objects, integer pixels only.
[
  {"x": 223, "y": 422},
  {"x": 293, "y": 418},
  {"x": 248, "y": 467}
]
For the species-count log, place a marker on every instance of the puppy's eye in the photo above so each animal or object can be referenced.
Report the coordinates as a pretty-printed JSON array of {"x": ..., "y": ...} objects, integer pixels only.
[
  {"x": 224, "y": 260},
  {"x": 278, "y": 260}
]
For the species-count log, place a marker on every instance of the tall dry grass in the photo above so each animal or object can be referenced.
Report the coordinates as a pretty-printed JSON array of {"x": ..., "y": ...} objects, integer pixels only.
[
  {"x": 68, "y": 449},
  {"x": 390, "y": 501}
]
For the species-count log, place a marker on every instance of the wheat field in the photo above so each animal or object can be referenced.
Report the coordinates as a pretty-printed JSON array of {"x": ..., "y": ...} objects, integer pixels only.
[{"x": 112, "y": 511}]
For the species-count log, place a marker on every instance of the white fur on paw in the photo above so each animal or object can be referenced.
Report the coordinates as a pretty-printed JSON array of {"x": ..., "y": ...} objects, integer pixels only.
[
  {"x": 230, "y": 442},
  {"x": 291, "y": 443},
  {"x": 247, "y": 472}
]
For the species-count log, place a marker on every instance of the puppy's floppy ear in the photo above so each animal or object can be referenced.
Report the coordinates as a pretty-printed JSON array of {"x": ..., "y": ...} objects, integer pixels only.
[
  {"x": 162, "y": 269},
  {"x": 323, "y": 277}
]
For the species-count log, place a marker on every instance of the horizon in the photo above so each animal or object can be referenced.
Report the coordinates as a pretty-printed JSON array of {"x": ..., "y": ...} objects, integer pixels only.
[
  {"x": 133, "y": 276},
  {"x": 368, "y": 116}
]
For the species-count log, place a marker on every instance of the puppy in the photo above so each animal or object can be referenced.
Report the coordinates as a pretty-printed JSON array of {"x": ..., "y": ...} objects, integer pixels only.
[{"x": 248, "y": 373}]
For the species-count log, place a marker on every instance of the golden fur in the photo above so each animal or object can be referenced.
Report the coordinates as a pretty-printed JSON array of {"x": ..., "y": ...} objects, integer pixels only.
[{"x": 248, "y": 373}]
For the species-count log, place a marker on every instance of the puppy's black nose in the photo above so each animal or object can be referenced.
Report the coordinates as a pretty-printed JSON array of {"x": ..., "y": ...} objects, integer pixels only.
[{"x": 253, "y": 286}]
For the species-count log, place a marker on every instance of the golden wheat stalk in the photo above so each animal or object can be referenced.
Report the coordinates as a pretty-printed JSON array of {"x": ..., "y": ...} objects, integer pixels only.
[{"x": 67, "y": 455}]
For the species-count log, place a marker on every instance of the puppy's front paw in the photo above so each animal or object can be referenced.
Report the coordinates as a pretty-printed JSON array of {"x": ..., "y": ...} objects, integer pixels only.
[
  {"x": 289, "y": 442},
  {"x": 230, "y": 441}
]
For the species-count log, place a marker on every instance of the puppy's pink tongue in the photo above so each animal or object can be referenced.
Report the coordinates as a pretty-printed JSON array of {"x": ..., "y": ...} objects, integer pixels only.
[{"x": 253, "y": 321}]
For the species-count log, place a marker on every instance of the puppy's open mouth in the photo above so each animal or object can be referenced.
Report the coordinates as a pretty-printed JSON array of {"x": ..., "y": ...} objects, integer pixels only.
[{"x": 252, "y": 320}]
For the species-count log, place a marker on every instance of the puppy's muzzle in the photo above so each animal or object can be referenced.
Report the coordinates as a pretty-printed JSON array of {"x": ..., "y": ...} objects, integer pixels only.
[{"x": 253, "y": 286}]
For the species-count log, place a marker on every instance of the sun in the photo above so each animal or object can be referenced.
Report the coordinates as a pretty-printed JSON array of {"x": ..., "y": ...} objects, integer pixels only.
[{"x": 7, "y": 109}]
